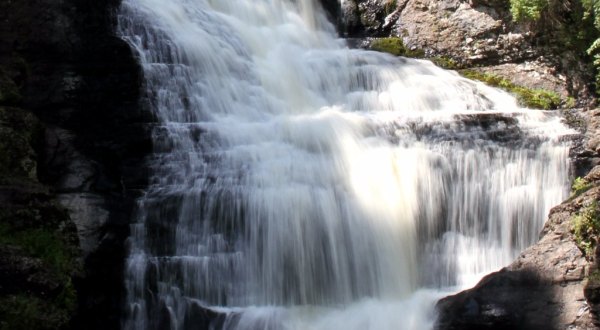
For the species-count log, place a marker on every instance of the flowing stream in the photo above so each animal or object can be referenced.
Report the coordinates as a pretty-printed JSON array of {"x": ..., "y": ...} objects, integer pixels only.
[{"x": 299, "y": 184}]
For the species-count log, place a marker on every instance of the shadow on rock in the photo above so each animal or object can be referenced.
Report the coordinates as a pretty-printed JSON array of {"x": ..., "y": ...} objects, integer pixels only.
[{"x": 502, "y": 300}]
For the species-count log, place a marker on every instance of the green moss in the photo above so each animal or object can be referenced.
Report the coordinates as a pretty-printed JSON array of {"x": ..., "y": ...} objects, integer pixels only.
[
  {"x": 570, "y": 102},
  {"x": 445, "y": 62},
  {"x": 580, "y": 185},
  {"x": 527, "y": 97},
  {"x": 586, "y": 228},
  {"x": 45, "y": 244},
  {"x": 395, "y": 46},
  {"x": 30, "y": 311},
  {"x": 523, "y": 10}
]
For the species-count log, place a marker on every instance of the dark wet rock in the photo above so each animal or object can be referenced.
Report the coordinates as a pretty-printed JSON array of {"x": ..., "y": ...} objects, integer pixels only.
[
  {"x": 200, "y": 317},
  {"x": 491, "y": 304},
  {"x": 38, "y": 242},
  {"x": 82, "y": 83},
  {"x": 542, "y": 289}
]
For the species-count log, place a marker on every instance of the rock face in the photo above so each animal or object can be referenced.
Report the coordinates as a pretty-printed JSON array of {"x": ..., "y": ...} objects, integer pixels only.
[
  {"x": 552, "y": 285},
  {"x": 475, "y": 34},
  {"x": 61, "y": 60},
  {"x": 38, "y": 242}
]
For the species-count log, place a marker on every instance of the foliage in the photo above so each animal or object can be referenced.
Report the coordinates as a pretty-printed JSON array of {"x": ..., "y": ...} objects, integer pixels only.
[
  {"x": 570, "y": 102},
  {"x": 445, "y": 62},
  {"x": 531, "y": 98},
  {"x": 527, "y": 9},
  {"x": 580, "y": 185},
  {"x": 574, "y": 24},
  {"x": 27, "y": 310},
  {"x": 395, "y": 46},
  {"x": 586, "y": 228},
  {"x": 44, "y": 244}
]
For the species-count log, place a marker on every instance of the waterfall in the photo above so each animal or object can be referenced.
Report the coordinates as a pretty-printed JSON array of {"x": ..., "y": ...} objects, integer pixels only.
[{"x": 299, "y": 184}]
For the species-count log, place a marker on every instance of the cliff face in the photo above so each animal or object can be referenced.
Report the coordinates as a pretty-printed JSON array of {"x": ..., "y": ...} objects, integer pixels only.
[{"x": 70, "y": 81}]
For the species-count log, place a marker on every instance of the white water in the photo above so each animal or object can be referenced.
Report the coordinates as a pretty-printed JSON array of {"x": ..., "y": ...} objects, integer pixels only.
[{"x": 298, "y": 184}]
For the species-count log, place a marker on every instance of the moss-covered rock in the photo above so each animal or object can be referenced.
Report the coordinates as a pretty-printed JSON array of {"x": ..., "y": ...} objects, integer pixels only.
[
  {"x": 395, "y": 46},
  {"x": 527, "y": 97},
  {"x": 38, "y": 242}
]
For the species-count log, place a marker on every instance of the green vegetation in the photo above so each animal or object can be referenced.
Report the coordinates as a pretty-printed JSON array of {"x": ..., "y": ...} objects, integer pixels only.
[
  {"x": 580, "y": 185},
  {"x": 44, "y": 244},
  {"x": 527, "y": 9},
  {"x": 51, "y": 310},
  {"x": 531, "y": 98},
  {"x": 571, "y": 24},
  {"x": 445, "y": 62},
  {"x": 570, "y": 102},
  {"x": 586, "y": 228},
  {"x": 395, "y": 46},
  {"x": 34, "y": 232}
]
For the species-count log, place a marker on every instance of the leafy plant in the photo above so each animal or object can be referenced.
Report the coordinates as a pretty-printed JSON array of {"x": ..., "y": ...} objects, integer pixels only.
[
  {"x": 592, "y": 12},
  {"x": 586, "y": 228},
  {"x": 574, "y": 24},
  {"x": 579, "y": 186},
  {"x": 527, "y": 9}
]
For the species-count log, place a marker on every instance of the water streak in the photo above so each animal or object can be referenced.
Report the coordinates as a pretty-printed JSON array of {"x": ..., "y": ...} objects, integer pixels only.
[{"x": 298, "y": 184}]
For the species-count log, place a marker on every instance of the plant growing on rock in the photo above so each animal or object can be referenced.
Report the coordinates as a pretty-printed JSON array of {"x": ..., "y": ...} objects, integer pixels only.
[
  {"x": 531, "y": 98},
  {"x": 395, "y": 46},
  {"x": 574, "y": 24},
  {"x": 527, "y": 9},
  {"x": 580, "y": 185},
  {"x": 586, "y": 228}
]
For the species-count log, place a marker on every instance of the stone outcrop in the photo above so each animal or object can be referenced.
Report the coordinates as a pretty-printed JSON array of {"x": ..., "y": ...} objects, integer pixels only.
[
  {"x": 475, "y": 34},
  {"x": 61, "y": 61},
  {"x": 38, "y": 242}
]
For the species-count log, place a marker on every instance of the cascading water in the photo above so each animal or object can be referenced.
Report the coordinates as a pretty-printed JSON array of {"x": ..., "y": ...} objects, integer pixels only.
[{"x": 298, "y": 184}]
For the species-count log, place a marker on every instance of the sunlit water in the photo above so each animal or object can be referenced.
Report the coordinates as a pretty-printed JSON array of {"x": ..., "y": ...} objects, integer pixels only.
[{"x": 298, "y": 184}]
